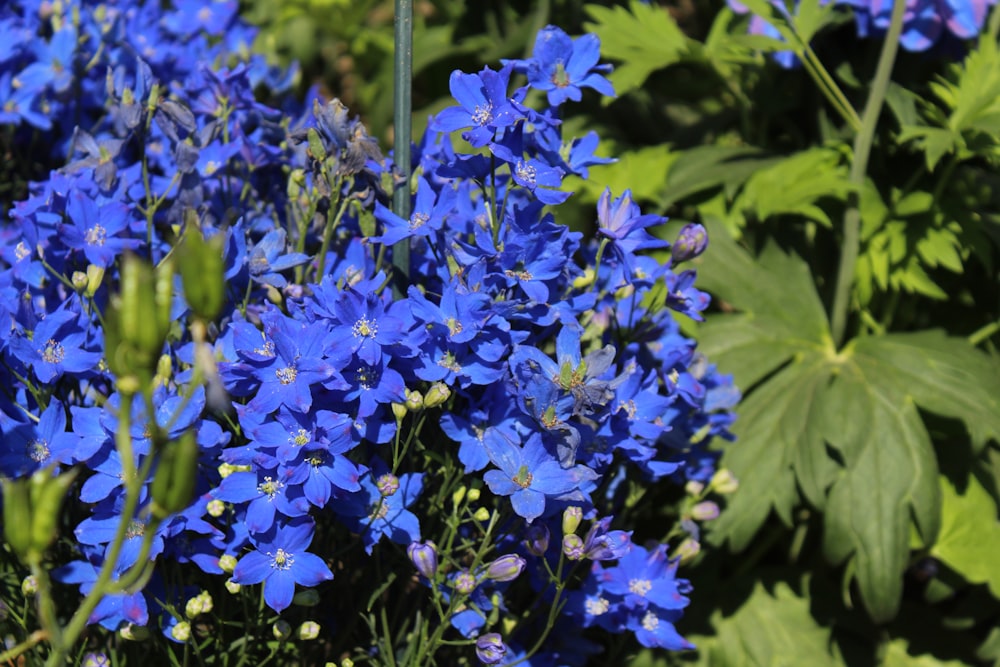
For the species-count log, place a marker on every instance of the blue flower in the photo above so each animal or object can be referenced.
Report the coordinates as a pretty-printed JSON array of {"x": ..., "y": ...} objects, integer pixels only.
[
  {"x": 380, "y": 507},
  {"x": 561, "y": 66},
  {"x": 623, "y": 224},
  {"x": 530, "y": 474},
  {"x": 56, "y": 347},
  {"x": 483, "y": 106},
  {"x": 29, "y": 446},
  {"x": 280, "y": 561}
]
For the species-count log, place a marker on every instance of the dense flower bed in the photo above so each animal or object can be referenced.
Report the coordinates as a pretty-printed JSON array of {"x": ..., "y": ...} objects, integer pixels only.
[{"x": 261, "y": 399}]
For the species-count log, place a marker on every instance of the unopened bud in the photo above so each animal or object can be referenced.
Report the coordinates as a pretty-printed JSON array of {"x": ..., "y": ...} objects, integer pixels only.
[
  {"x": 232, "y": 586},
  {"x": 694, "y": 488},
  {"x": 134, "y": 633},
  {"x": 215, "y": 508},
  {"x": 29, "y": 585},
  {"x": 536, "y": 541},
  {"x": 176, "y": 474},
  {"x": 387, "y": 484},
  {"x": 424, "y": 558},
  {"x": 705, "y": 511},
  {"x": 572, "y": 546},
  {"x": 482, "y": 514},
  {"x": 473, "y": 495},
  {"x": 464, "y": 583},
  {"x": 399, "y": 411},
  {"x": 281, "y": 629},
  {"x": 505, "y": 568},
  {"x": 687, "y": 550},
  {"x": 436, "y": 395},
  {"x": 724, "y": 482},
  {"x": 309, "y": 630},
  {"x": 691, "y": 242},
  {"x": 201, "y": 265},
  {"x": 181, "y": 632},
  {"x": 414, "y": 400},
  {"x": 572, "y": 516},
  {"x": 490, "y": 648}
]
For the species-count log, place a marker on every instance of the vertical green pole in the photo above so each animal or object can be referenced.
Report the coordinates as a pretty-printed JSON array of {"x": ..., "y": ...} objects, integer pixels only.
[{"x": 401, "y": 115}]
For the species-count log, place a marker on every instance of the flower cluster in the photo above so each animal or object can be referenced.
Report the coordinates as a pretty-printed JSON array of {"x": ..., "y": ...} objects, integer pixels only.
[
  {"x": 926, "y": 23},
  {"x": 525, "y": 374}
]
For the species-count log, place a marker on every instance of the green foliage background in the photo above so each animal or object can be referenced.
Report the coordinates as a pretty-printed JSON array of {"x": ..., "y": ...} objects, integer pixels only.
[{"x": 865, "y": 531}]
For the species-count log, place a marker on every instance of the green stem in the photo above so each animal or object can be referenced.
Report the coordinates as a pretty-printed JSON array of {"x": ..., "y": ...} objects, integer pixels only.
[
  {"x": 402, "y": 130},
  {"x": 983, "y": 333},
  {"x": 859, "y": 167}
]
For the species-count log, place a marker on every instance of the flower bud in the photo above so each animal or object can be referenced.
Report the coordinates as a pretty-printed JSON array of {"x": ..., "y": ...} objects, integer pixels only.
[
  {"x": 281, "y": 629},
  {"x": 424, "y": 558},
  {"x": 79, "y": 280},
  {"x": 232, "y": 586},
  {"x": 308, "y": 630},
  {"x": 29, "y": 585},
  {"x": 687, "y": 550},
  {"x": 138, "y": 319},
  {"x": 490, "y": 648},
  {"x": 414, "y": 401},
  {"x": 536, "y": 541},
  {"x": 201, "y": 265},
  {"x": 176, "y": 473},
  {"x": 215, "y": 508},
  {"x": 694, "y": 488},
  {"x": 572, "y": 546},
  {"x": 17, "y": 517},
  {"x": 473, "y": 495},
  {"x": 306, "y": 598},
  {"x": 482, "y": 514},
  {"x": 399, "y": 411},
  {"x": 724, "y": 482},
  {"x": 691, "y": 242},
  {"x": 436, "y": 395},
  {"x": 47, "y": 491},
  {"x": 95, "y": 660},
  {"x": 464, "y": 583},
  {"x": 192, "y": 609},
  {"x": 95, "y": 276},
  {"x": 181, "y": 632},
  {"x": 505, "y": 568},
  {"x": 458, "y": 495},
  {"x": 705, "y": 511},
  {"x": 387, "y": 484},
  {"x": 571, "y": 519}
]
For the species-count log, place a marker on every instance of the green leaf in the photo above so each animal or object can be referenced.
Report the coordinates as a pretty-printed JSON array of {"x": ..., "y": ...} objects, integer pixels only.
[
  {"x": 794, "y": 185},
  {"x": 897, "y": 655},
  {"x": 710, "y": 166},
  {"x": 633, "y": 169},
  {"x": 970, "y": 534},
  {"x": 869, "y": 509},
  {"x": 942, "y": 374},
  {"x": 643, "y": 37},
  {"x": 773, "y": 628}
]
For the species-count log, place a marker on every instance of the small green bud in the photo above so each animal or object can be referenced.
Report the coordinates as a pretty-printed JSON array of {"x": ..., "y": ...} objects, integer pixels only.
[
  {"x": 95, "y": 276},
  {"x": 281, "y": 629},
  {"x": 17, "y": 517},
  {"x": 571, "y": 519},
  {"x": 138, "y": 319},
  {"x": 227, "y": 563},
  {"x": 694, "y": 488},
  {"x": 308, "y": 630},
  {"x": 215, "y": 508},
  {"x": 436, "y": 395},
  {"x": 201, "y": 265},
  {"x": 29, "y": 585},
  {"x": 459, "y": 495},
  {"x": 47, "y": 492},
  {"x": 399, "y": 411},
  {"x": 473, "y": 495},
  {"x": 79, "y": 280},
  {"x": 176, "y": 473},
  {"x": 414, "y": 401},
  {"x": 181, "y": 632},
  {"x": 482, "y": 514},
  {"x": 316, "y": 148},
  {"x": 724, "y": 482},
  {"x": 232, "y": 586},
  {"x": 687, "y": 550}
]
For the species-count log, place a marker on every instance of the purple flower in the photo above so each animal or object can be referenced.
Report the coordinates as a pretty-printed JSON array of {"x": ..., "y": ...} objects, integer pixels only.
[
  {"x": 280, "y": 561},
  {"x": 490, "y": 648}
]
